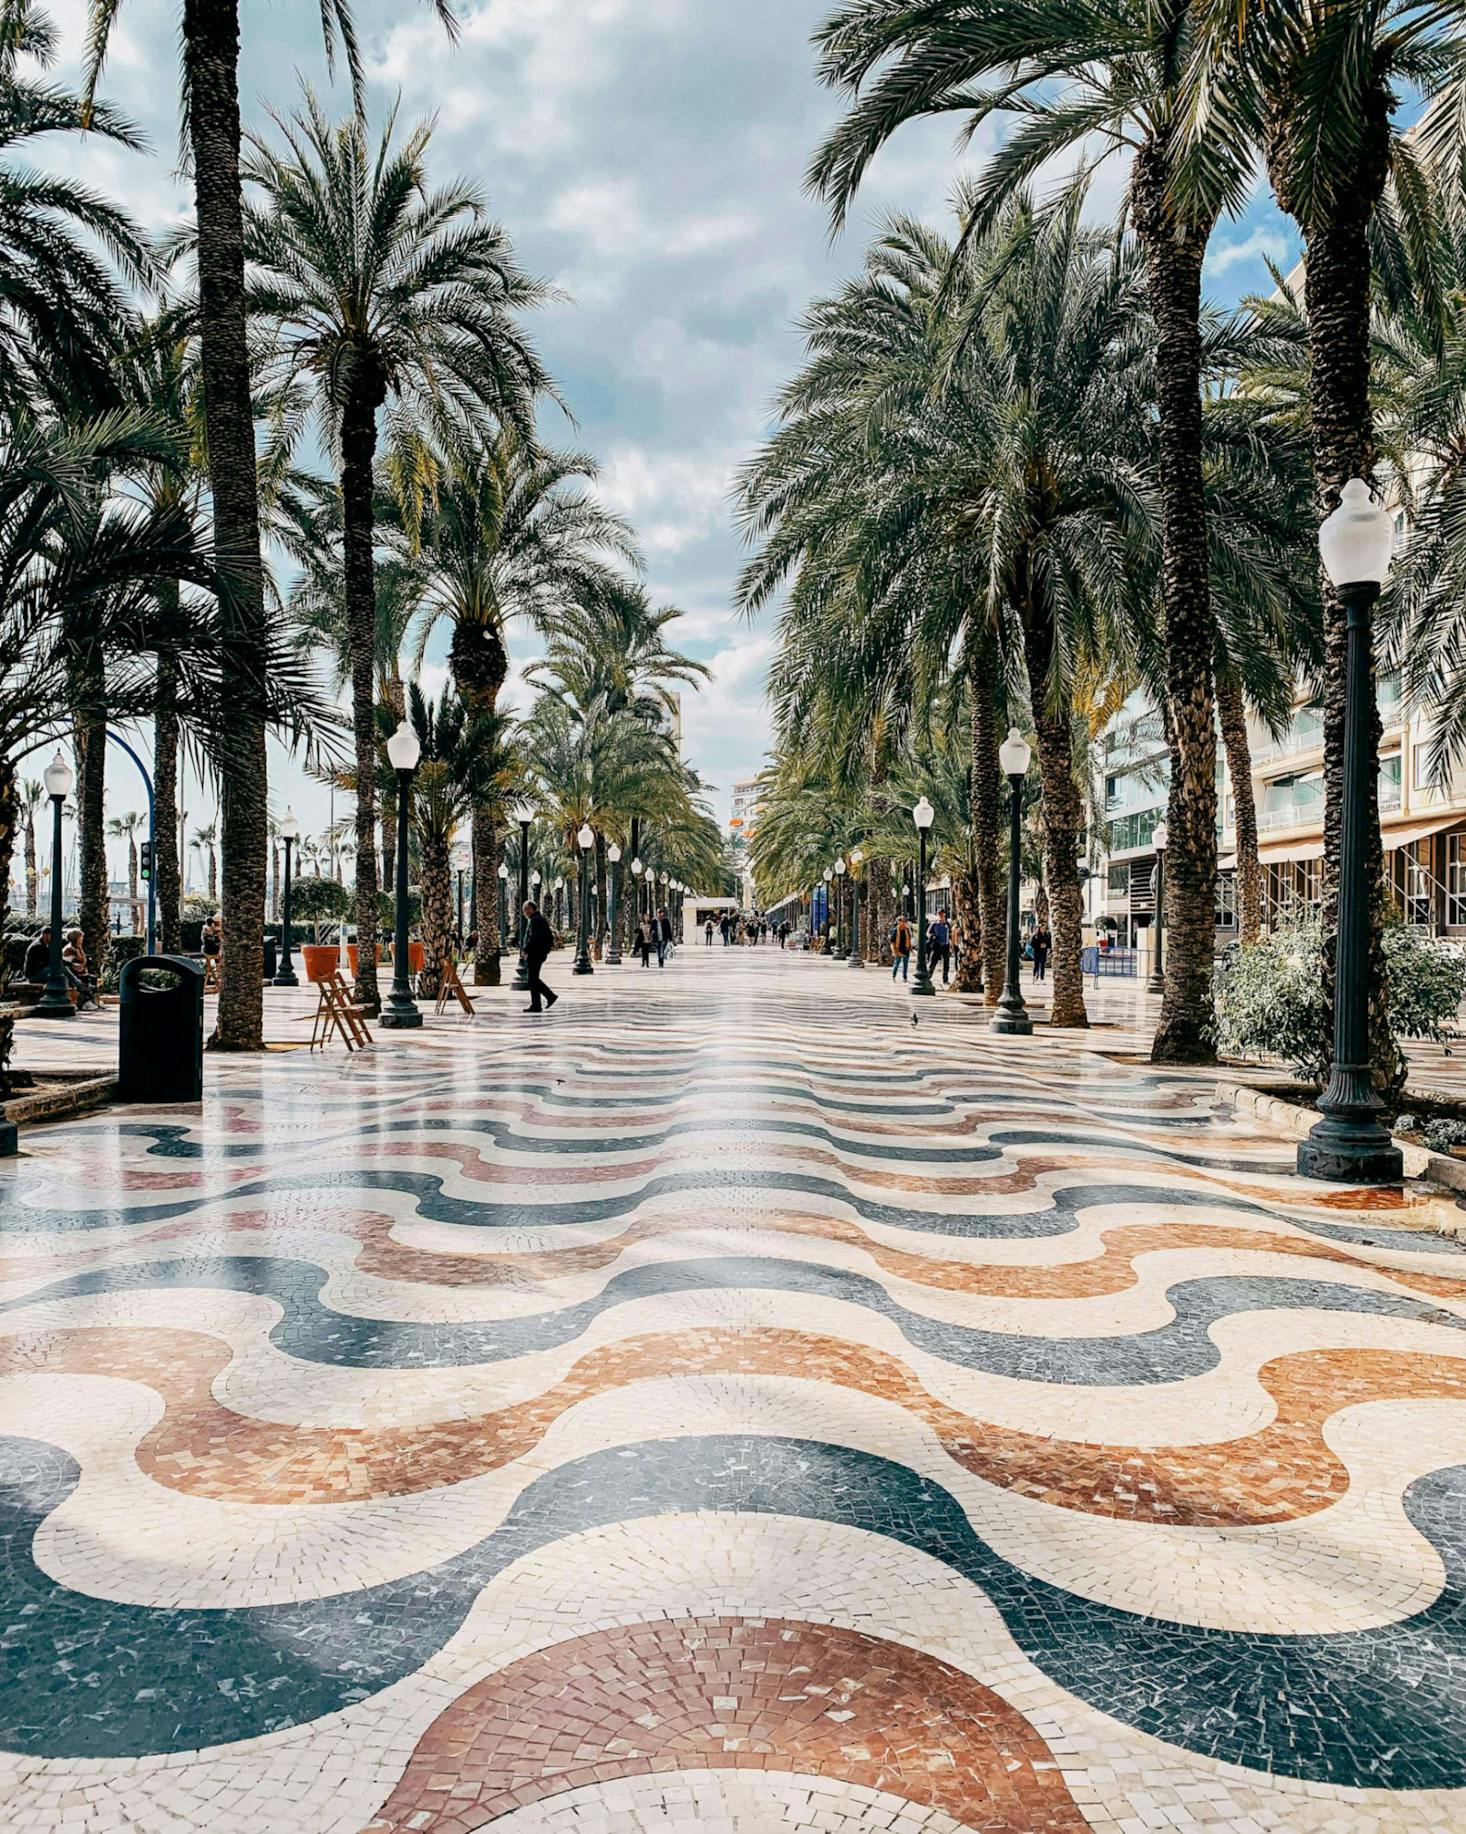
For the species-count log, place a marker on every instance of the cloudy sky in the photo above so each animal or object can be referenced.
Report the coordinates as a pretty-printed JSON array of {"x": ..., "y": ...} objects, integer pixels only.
[{"x": 647, "y": 155}]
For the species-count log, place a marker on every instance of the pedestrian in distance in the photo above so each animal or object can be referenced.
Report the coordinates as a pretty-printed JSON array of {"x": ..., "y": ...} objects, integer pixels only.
[
  {"x": 708, "y": 932},
  {"x": 539, "y": 939},
  {"x": 900, "y": 940},
  {"x": 939, "y": 941},
  {"x": 644, "y": 939},
  {"x": 662, "y": 935},
  {"x": 1041, "y": 942}
]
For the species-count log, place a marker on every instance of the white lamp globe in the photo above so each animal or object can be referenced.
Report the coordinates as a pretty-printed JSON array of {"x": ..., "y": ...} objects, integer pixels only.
[
  {"x": 1356, "y": 542},
  {"x": 1015, "y": 754},
  {"x": 1161, "y": 836},
  {"x": 503, "y": 870},
  {"x": 828, "y": 875},
  {"x": 403, "y": 748},
  {"x": 840, "y": 864},
  {"x": 289, "y": 826},
  {"x": 613, "y": 854},
  {"x": 59, "y": 777},
  {"x": 523, "y": 813},
  {"x": 535, "y": 877},
  {"x": 637, "y": 867},
  {"x": 923, "y": 815},
  {"x": 586, "y": 837}
]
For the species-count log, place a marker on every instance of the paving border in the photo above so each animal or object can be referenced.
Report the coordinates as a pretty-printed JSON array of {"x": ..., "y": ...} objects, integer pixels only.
[{"x": 80, "y": 1091}]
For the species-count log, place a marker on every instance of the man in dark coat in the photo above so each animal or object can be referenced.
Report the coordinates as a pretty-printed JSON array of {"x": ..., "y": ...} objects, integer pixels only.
[{"x": 538, "y": 941}]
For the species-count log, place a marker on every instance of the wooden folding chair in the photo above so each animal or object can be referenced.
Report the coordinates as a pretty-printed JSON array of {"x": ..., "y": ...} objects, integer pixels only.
[
  {"x": 335, "y": 1012},
  {"x": 451, "y": 988}
]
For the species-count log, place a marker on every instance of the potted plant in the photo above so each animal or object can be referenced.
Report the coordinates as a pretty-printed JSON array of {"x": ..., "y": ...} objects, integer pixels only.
[{"x": 324, "y": 905}]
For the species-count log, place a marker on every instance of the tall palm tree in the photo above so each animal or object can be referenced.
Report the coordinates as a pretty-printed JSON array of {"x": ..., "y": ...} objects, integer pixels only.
[
  {"x": 1313, "y": 88},
  {"x": 126, "y": 828},
  {"x": 210, "y": 91},
  {"x": 30, "y": 800},
  {"x": 513, "y": 534},
  {"x": 206, "y": 840},
  {"x": 379, "y": 289}
]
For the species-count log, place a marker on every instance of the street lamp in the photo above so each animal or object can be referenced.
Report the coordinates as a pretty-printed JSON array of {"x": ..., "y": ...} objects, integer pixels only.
[
  {"x": 613, "y": 944},
  {"x": 55, "y": 1002},
  {"x": 1014, "y": 755},
  {"x": 290, "y": 834},
  {"x": 923, "y": 815},
  {"x": 400, "y": 1014},
  {"x": 1349, "y": 1146},
  {"x": 503, "y": 904},
  {"x": 857, "y": 854},
  {"x": 1157, "y": 981},
  {"x": 841, "y": 944},
  {"x": 523, "y": 814},
  {"x": 587, "y": 840},
  {"x": 461, "y": 861},
  {"x": 828, "y": 875}
]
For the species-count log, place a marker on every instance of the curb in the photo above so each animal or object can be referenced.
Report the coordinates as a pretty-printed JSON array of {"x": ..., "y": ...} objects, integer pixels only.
[
  {"x": 1293, "y": 1122},
  {"x": 75, "y": 1097}
]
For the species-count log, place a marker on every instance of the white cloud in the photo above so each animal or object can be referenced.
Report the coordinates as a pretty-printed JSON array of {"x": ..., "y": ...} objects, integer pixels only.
[
  {"x": 674, "y": 498},
  {"x": 725, "y": 726},
  {"x": 1263, "y": 243}
]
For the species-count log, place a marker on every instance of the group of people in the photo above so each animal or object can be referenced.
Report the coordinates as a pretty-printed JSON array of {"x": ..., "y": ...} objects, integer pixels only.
[
  {"x": 942, "y": 941},
  {"x": 736, "y": 929},
  {"x": 652, "y": 933},
  {"x": 74, "y": 965}
]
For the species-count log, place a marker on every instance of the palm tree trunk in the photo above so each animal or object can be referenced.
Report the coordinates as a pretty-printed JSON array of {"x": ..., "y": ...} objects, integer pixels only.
[
  {"x": 1185, "y": 1032},
  {"x": 986, "y": 796},
  {"x": 211, "y": 60},
  {"x": 1338, "y": 306},
  {"x": 32, "y": 877},
  {"x": 1232, "y": 710},
  {"x": 480, "y": 663},
  {"x": 358, "y": 451},
  {"x": 91, "y": 798},
  {"x": 600, "y": 894},
  {"x": 437, "y": 917},
  {"x": 167, "y": 877},
  {"x": 1063, "y": 827},
  {"x": 967, "y": 904},
  {"x": 132, "y": 897},
  {"x": 8, "y": 812},
  {"x": 485, "y": 830}
]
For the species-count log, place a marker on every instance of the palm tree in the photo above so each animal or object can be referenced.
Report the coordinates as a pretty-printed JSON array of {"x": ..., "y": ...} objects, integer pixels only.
[
  {"x": 377, "y": 289},
  {"x": 126, "y": 827},
  {"x": 512, "y": 534},
  {"x": 1106, "y": 76},
  {"x": 205, "y": 840},
  {"x": 32, "y": 795},
  {"x": 1313, "y": 88},
  {"x": 210, "y": 90}
]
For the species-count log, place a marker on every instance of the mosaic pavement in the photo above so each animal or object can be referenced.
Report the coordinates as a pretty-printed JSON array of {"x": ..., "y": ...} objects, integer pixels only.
[{"x": 723, "y": 1405}]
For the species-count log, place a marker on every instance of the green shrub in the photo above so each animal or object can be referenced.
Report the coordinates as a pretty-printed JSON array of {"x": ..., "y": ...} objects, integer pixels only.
[
  {"x": 1441, "y": 1136},
  {"x": 321, "y": 902},
  {"x": 1270, "y": 995},
  {"x": 198, "y": 907}
]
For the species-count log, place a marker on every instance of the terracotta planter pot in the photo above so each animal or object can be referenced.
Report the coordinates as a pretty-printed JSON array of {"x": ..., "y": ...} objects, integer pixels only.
[
  {"x": 417, "y": 955},
  {"x": 351, "y": 956},
  {"x": 321, "y": 960}
]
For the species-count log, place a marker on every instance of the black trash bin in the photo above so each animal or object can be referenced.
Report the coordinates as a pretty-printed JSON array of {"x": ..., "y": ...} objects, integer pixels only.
[
  {"x": 160, "y": 1040},
  {"x": 272, "y": 959}
]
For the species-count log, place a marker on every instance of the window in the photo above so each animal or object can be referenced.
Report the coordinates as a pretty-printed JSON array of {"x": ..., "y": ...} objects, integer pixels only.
[
  {"x": 1417, "y": 885},
  {"x": 1456, "y": 881},
  {"x": 1119, "y": 881},
  {"x": 1387, "y": 694},
  {"x": 1226, "y": 902},
  {"x": 1134, "y": 830},
  {"x": 1292, "y": 801},
  {"x": 1112, "y": 792},
  {"x": 1389, "y": 781}
]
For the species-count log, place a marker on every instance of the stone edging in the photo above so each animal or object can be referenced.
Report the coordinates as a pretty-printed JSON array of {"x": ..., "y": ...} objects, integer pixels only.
[
  {"x": 1289, "y": 1119},
  {"x": 76, "y": 1096}
]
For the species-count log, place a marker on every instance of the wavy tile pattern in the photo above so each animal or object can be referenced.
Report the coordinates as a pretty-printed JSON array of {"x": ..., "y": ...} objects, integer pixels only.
[{"x": 1081, "y": 1289}]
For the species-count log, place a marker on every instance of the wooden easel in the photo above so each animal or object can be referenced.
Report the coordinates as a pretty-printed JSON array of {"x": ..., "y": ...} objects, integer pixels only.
[
  {"x": 450, "y": 988},
  {"x": 336, "y": 1013}
]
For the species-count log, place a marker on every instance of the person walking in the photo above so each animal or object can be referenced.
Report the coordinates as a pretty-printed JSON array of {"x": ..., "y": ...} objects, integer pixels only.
[
  {"x": 644, "y": 939},
  {"x": 539, "y": 939},
  {"x": 725, "y": 928},
  {"x": 939, "y": 941},
  {"x": 708, "y": 932},
  {"x": 784, "y": 933},
  {"x": 1041, "y": 942},
  {"x": 901, "y": 949},
  {"x": 662, "y": 934}
]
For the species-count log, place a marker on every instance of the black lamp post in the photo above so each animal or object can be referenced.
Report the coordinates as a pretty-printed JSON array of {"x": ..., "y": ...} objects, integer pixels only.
[
  {"x": 1157, "y": 981},
  {"x": 55, "y": 1002},
  {"x": 829, "y": 874},
  {"x": 523, "y": 814},
  {"x": 587, "y": 840},
  {"x": 842, "y": 941},
  {"x": 290, "y": 834},
  {"x": 1349, "y": 1145},
  {"x": 906, "y": 899},
  {"x": 923, "y": 815},
  {"x": 613, "y": 942},
  {"x": 503, "y": 906},
  {"x": 400, "y": 1014},
  {"x": 460, "y": 865},
  {"x": 853, "y": 960},
  {"x": 1012, "y": 1015}
]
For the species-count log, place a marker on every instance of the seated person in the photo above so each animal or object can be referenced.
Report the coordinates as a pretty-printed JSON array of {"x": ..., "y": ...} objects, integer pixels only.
[
  {"x": 74, "y": 961},
  {"x": 38, "y": 958}
]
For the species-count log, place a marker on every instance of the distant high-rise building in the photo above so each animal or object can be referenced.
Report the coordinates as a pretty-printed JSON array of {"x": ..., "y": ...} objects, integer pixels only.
[{"x": 747, "y": 800}]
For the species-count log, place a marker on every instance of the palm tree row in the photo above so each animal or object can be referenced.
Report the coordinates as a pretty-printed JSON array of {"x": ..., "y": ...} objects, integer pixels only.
[
  {"x": 1154, "y": 538},
  {"x": 326, "y": 291}
]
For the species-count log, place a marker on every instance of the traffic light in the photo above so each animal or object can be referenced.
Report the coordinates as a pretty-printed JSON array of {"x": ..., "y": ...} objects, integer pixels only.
[{"x": 145, "y": 861}]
